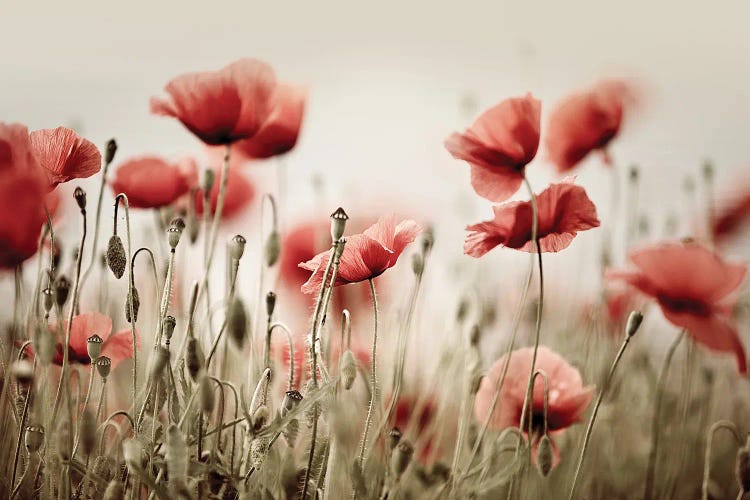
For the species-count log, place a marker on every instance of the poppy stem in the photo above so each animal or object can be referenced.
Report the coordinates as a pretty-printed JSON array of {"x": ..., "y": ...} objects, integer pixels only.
[
  {"x": 373, "y": 375},
  {"x": 721, "y": 424},
  {"x": 85, "y": 404},
  {"x": 651, "y": 468},
  {"x": 598, "y": 402},
  {"x": 131, "y": 285}
]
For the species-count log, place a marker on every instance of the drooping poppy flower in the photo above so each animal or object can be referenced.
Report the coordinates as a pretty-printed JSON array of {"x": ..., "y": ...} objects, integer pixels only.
[
  {"x": 695, "y": 290},
  {"x": 366, "y": 255},
  {"x": 240, "y": 193},
  {"x": 499, "y": 145},
  {"x": 279, "y": 132},
  {"x": 153, "y": 182},
  {"x": 223, "y": 106},
  {"x": 564, "y": 210},
  {"x": 23, "y": 187},
  {"x": 585, "y": 122},
  {"x": 64, "y": 155}
]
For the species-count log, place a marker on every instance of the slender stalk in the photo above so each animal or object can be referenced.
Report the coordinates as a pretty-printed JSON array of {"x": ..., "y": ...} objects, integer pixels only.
[
  {"x": 96, "y": 223},
  {"x": 131, "y": 285},
  {"x": 85, "y": 404},
  {"x": 21, "y": 429},
  {"x": 651, "y": 468},
  {"x": 721, "y": 424},
  {"x": 373, "y": 374}
]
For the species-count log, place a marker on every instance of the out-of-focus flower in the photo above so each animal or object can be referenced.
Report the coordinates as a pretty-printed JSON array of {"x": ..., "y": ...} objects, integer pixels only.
[
  {"x": 300, "y": 244},
  {"x": 695, "y": 289},
  {"x": 223, "y": 106},
  {"x": 23, "y": 187},
  {"x": 64, "y": 155},
  {"x": 564, "y": 209},
  {"x": 279, "y": 132},
  {"x": 730, "y": 217},
  {"x": 153, "y": 182},
  {"x": 499, "y": 145},
  {"x": 413, "y": 415},
  {"x": 366, "y": 255},
  {"x": 240, "y": 193},
  {"x": 586, "y": 121}
]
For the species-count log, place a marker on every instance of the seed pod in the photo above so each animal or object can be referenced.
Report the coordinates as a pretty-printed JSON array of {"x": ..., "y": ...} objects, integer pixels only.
[
  {"x": 168, "y": 327},
  {"x": 237, "y": 322},
  {"x": 136, "y": 306},
  {"x": 206, "y": 394},
  {"x": 80, "y": 197},
  {"x": 394, "y": 437},
  {"x": 94, "y": 346},
  {"x": 544, "y": 456},
  {"x": 348, "y": 369},
  {"x": 62, "y": 289},
  {"x": 173, "y": 236},
  {"x": 88, "y": 432},
  {"x": 103, "y": 366},
  {"x": 34, "y": 437},
  {"x": 116, "y": 258},
  {"x": 291, "y": 400},
  {"x": 161, "y": 359},
  {"x": 110, "y": 150},
  {"x": 237, "y": 246},
  {"x": 270, "y": 303},
  {"x": 23, "y": 373},
  {"x": 272, "y": 248},
  {"x": 338, "y": 224},
  {"x": 401, "y": 457},
  {"x": 49, "y": 299},
  {"x": 634, "y": 322},
  {"x": 194, "y": 358}
]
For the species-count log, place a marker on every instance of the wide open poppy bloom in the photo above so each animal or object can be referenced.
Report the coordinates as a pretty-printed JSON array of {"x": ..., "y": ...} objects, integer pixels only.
[
  {"x": 224, "y": 106},
  {"x": 279, "y": 132},
  {"x": 694, "y": 288},
  {"x": 564, "y": 209},
  {"x": 23, "y": 187},
  {"x": 500, "y": 143},
  {"x": 240, "y": 193},
  {"x": 585, "y": 122},
  {"x": 366, "y": 255},
  {"x": 153, "y": 182},
  {"x": 65, "y": 155}
]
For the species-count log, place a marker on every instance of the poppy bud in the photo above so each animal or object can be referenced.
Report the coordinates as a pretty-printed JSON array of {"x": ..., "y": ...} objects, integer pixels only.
[
  {"x": 237, "y": 246},
  {"x": 80, "y": 196},
  {"x": 417, "y": 264},
  {"x": 103, "y": 366},
  {"x": 168, "y": 327},
  {"x": 173, "y": 236},
  {"x": 206, "y": 394},
  {"x": 194, "y": 359},
  {"x": 544, "y": 456},
  {"x": 258, "y": 451},
  {"x": 634, "y": 322},
  {"x": 401, "y": 457},
  {"x": 237, "y": 322},
  {"x": 136, "y": 306},
  {"x": 338, "y": 224},
  {"x": 34, "y": 437},
  {"x": 428, "y": 239},
  {"x": 116, "y": 259},
  {"x": 62, "y": 289},
  {"x": 270, "y": 303},
  {"x": 348, "y": 369},
  {"x": 109, "y": 153},
  {"x": 291, "y": 400},
  {"x": 272, "y": 248},
  {"x": 161, "y": 358},
  {"x": 94, "y": 346},
  {"x": 178, "y": 222},
  {"x": 209, "y": 177},
  {"x": 260, "y": 417},
  {"x": 49, "y": 299},
  {"x": 88, "y": 432},
  {"x": 23, "y": 373},
  {"x": 394, "y": 437}
]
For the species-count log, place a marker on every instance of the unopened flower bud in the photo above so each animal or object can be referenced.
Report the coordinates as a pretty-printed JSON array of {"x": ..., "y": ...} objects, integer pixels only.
[
  {"x": 270, "y": 303},
  {"x": 136, "y": 306},
  {"x": 237, "y": 322},
  {"x": 417, "y": 264},
  {"x": 206, "y": 394},
  {"x": 34, "y": 437},
  {"x": 291, "y": 400},
  {"x": 168, "y": 327},
  {"x": 49, "y": 299},
  {"x": 94, "y": 346},
  {"x": 338, "y": 224},
  {"x": 23, "y": 373},
  {"x": 62, "y": 289},
  {"x": 178, "y": 222},
  {"x": 116, "y": 259},
  {"x": 428, "y": 239},
  {"x": 272, "y": 248},
  {"x": 194, "y": 358},
  {"x": 237, "y": 247},
  {"x": 544, "y": 456},
  {"x": 109, "y": 152},
  {"x": 401, "y": 457},
  {"x": 161, "y": 359},
  {"x": 393, "y": 438},
  {"x": 634, "y": 322},
  {"x": 209, "y": 178},
  {"x": 80, "y": 197},
  {"x": 103, "y": 366},
  {"x": 173, "y": 236},
  {"x": 348, "y": 369}
]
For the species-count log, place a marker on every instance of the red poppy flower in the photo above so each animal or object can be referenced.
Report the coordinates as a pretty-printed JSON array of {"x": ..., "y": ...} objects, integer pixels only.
[
  {"x": 65, "y": 155},
  {"x": 224, "y": 106},
  {"x": 153, "y": 182},
  {"x": 366, "y": 255},
  {"x": 240, "y": 193},
  {"x": 695, "y": 290},
  {"x": 500, "y": 143},
  {"x": 279, "y": 132},
  {"x": 23, "y": 187},
  {"x": 585, "y": 122},
  {"x": 416, "y": 416},
  {"x": 564, "y": 209},
  {"x": 732, "y": 215},
  {"x": 300, "y": 244}
]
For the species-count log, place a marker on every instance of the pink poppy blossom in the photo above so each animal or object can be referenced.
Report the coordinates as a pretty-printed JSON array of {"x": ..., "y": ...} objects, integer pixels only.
[
  {"x": 65, "y": 155},
  {"x": 153, "y": 182},
  {"x": 499, "y": 145}
]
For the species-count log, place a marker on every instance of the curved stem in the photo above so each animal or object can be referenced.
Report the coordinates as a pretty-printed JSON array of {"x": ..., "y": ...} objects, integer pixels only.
[
  {"x": 131, "y": 285},
  {"x": 85, "y": 404},
  {"x": 721, "y": 424},
  {"x": 96, "y": 224},
  {"x": 373, "y": 374}
]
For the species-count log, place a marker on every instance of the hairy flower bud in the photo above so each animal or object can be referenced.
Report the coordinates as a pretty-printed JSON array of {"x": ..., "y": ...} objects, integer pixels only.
[
  {"x": 103, "y": 366},
  {"x": 237, "y": 246},
  {"x": 109, "y": 152},
  {"x": 209, "y": 178},
  {"x": 206, "y": 389},
  {"x": 94, "y": 346},
  {"x": 136, "y": 306},
  {"x": 34, "y": 437},
  {"x": 80, "y": 197},
  {"x": 237, "y": 322},
  {"x": 270, "y": 303},
  {"x": 62, "y": 289},
  {"x": 272, "y": 248},
  {"x": 194, "y": 358},
  {"x": 260, "y": 417},
  {"x": 428, "y": 239},
  {"x": 348, "y": 369},
  {"x": 338, "y": 224},
  {"x": 116, "y": 259},
  {"x": 544, "y": 456},
  {"x": 634, "y": 322}
]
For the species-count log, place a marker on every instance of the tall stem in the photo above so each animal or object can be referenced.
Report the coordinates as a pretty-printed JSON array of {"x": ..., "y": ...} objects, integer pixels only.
[
  {"x": 96, "y": 223},
  {"x": 373, "y": 374},
  {"x": 131, "y": 285}
]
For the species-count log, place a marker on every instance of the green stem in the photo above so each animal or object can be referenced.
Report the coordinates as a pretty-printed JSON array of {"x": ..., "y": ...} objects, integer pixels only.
[
  {"x": 96, "y": 224},
  {"x": 131, "y": 285},
  {"x": 373, "y": 374}
]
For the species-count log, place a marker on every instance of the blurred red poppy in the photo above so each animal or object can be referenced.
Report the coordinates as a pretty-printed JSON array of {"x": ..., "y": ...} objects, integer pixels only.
[
  {"x": 564, "y": 209},
  {"x": 64, "y": 155},
  {"x": 153, "y": 182},
  {"x": 499, "y": 145},
  {"x": 240, "y": 193}
]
